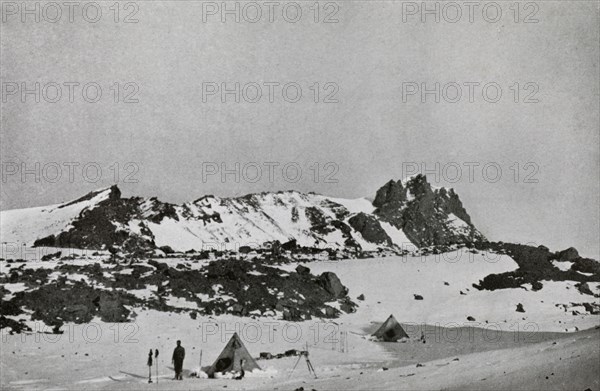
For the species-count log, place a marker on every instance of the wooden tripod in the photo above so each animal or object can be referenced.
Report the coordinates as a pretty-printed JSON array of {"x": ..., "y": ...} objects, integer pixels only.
[{"x": 311, "y": 369}]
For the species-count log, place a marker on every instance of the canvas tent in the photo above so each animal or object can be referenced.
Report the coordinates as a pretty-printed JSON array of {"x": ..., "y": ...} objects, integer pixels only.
[
  {"x": 390, "y": 330},
  {"x": 229, "y": 359}
]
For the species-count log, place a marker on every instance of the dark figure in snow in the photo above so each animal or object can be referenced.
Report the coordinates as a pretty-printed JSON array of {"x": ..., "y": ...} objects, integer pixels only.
[
  {"x": 178, "y": 356},
  {"x": 422, "y": 337},
  {"x": 240, "y": 375},
  {"x": 150, "y": 366}
]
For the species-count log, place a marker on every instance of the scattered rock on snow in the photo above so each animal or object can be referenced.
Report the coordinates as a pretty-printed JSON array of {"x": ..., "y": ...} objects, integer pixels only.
[
  {"x": 584, "y": 288},
  {"x": 302, "y": 270}
]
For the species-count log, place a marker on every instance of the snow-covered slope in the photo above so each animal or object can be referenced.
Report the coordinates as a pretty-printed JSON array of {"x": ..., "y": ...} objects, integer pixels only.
[
  {"x": 24, "y": 226},
  {"x": 423, "y": 216}
]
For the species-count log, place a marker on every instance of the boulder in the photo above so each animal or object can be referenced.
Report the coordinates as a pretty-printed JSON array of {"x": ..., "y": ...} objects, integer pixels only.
[
  {"x": 291, "y": 314},
  {"x": 48, "y": 257},
  {"x": 237, "y": 309},
  {"x": 160, "y": 266},
  {"x": 592, "y": 308},
  {"x": 584, "y": 288},
  {"x": 347, "y": 307},
  {"x": 167, "y": 249},
  {"x": 266, "y": 355},
  {"x": 290, "y": 245},
  {"x": 245, "y": 249},
  {"x": 543, "y": 248},
  {"x": 332, "y": 284},
  {"x": 520, "y": 308},
  {"x": 567, "y": 255},
  {"x": 303, "y": 270},
  {"x": 586, "y": 265}
]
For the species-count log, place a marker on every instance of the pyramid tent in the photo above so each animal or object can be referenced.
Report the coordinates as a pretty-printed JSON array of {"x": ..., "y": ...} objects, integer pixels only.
[
  {"x": 229, "y": 359},
  {"x": 390, "y": 330}
]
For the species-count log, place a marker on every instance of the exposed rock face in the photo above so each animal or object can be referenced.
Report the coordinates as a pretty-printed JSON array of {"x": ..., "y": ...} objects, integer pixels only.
[
  {"x": 391, "y": 192},
  {"x": 427, "y": 216},
  {"x": 424, "y": 215},
  {"x": 97, "y": 228},
  {"x": 369, "y": 228}
]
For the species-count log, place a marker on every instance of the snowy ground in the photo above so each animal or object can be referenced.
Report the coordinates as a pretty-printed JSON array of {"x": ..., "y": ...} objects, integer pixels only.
[
  {"x": 512, "y": 350},
  {"x": 81, "y": 358},
  {"x": 389, "y": 285}
]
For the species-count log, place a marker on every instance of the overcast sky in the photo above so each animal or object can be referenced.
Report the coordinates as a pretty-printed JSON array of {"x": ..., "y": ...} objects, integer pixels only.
[{"x": 373, "y": 132}]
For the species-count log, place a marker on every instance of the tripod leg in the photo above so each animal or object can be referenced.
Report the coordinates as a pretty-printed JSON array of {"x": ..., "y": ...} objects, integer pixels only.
[
  {"x": 310, "y": 367},
  {"x": 295, "y": 365}
]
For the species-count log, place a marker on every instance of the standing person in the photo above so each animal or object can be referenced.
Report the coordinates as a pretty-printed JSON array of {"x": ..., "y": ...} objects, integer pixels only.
[
  {"x": 150, "y": 366},
  {"x": 178, "y": 356}
]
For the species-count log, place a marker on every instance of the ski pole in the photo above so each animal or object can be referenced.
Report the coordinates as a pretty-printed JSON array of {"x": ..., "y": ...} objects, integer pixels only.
[
  {"x": 200, "y": 364},
  {"x": 156, "y": 357}
]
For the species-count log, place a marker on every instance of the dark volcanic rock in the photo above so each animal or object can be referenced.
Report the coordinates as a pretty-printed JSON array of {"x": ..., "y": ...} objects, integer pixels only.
[
  {"x": 167, "y": 249},
  {"x": 429, "y": 217},
  {"x": 586, "y": 265},
  {"x": 302, "y": 270},
  {"x": 567, "y": 255},
  {"x": 290, "y": 245},
  {"x": 332, "y": 284},
  {"x": 48, "y": 257},
  {"x": 423, "y": 213},
  {"x": 369, "y": 228},
  {"x": 16, "y": 327},
  {"x": 297, "y": 295},
  {"x": 535, "y": 265},
  {"x": 391, "y": 192},
  {"x": 536, "y": 286},
  {"x": 584, "y": 288}
]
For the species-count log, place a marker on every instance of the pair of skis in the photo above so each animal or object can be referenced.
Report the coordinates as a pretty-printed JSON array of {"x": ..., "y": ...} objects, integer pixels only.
[{"x": 150, "y": 365}]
